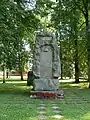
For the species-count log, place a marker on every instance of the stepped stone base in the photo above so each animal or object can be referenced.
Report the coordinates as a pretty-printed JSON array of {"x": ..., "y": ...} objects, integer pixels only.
[{"x": 47, "y": 94}]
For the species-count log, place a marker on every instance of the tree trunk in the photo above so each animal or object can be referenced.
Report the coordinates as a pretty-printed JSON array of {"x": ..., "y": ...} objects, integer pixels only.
[
  {"x": 7, "y": 73},
  {"x": 21, "y": 74},
  {"x": 88, "y": 50},
  {"x": 61, "y": 61},
  {"x": 76, "y": 63},
  {"x": 88, "y": 43},
  {"x": 20, "y": 66},
  {"x": 60, "y": 56},
  {"x": 3, "y": 74}
]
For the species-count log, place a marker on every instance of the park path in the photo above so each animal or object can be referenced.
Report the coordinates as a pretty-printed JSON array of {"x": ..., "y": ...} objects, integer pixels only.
[{"x": 42, "y": 111}]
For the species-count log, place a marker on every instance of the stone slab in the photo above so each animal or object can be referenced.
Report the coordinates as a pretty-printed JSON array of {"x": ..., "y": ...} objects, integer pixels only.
[
  {"x": 55, "y": 107},
  {"x": 42, "y": 117},
  {"x": 57, "y": 116},
  {"x": 41, "y": 108},
  {"x": 42, "y": 112},
  {"x": 56, "y": 111}
]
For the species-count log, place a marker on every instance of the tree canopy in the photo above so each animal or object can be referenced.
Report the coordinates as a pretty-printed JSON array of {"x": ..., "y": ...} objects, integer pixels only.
[{"x": 69, "y": 19}]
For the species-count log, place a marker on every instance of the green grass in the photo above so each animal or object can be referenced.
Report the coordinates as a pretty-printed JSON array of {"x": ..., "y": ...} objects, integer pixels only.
[{"x": 15, "y": 103}]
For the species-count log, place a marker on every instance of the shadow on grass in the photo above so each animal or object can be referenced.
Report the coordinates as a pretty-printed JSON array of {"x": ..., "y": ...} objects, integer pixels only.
[
  {"x": 74, "y": 90},
  {"x": 23, "y": 89},
  {"x": 14, "y": 88}
]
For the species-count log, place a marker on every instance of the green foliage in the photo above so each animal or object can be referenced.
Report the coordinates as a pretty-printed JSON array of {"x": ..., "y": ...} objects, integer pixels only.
[
  {"x": 44, "y": 9},
  {"x": 68, "y": 19},
  {"x": 16, "y": 23}
]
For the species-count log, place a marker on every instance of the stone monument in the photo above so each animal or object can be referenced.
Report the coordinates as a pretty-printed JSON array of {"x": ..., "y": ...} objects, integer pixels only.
[{"x": 46, "y": 62}]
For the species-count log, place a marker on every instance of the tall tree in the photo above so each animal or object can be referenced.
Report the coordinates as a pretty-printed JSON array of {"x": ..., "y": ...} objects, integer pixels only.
[
  {"x": 84, "y": 7},
  {"x": 68, "y": 16}
]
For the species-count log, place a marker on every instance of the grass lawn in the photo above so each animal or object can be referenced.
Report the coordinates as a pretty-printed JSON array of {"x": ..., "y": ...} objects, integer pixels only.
[{"x": 15, "y": 103}]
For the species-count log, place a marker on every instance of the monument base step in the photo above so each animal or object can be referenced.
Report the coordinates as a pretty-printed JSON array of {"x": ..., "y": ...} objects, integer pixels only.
[{"x": 47, "y": 94}]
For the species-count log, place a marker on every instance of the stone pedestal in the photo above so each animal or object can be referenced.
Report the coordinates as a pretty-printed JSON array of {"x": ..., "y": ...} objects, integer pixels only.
[{"x": 46, "y": 84}]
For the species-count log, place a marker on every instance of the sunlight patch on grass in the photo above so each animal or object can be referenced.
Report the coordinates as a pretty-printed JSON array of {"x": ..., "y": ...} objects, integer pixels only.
[
  {"x": 86, "y": 116},
  {"x": 75, "y": 85}
]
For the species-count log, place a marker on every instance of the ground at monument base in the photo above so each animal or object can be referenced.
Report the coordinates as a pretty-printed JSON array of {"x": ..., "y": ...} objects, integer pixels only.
[{"x": 47, "y": 94}]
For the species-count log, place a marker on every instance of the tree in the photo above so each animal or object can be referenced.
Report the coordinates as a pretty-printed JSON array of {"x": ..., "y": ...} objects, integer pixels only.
[
  {"x": 66, "y": 20},
  {"x": 84, "y": 7},
  {"x": 15, "y": 22}
]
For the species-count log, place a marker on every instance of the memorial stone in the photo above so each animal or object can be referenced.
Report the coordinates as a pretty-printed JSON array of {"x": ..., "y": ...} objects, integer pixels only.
[{"x": 46, "y": 63}]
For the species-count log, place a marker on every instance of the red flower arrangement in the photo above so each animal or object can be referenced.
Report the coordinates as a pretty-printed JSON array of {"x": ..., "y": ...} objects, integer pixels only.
[{"x": 47, "y": 95}]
